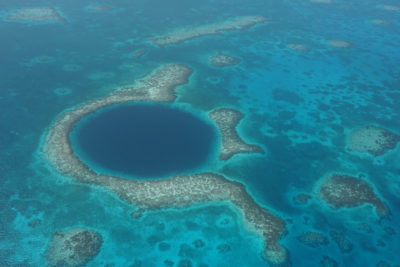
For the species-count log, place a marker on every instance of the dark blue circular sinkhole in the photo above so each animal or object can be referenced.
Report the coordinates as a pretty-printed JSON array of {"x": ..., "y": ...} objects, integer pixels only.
[{"x": 143, "y": 140}]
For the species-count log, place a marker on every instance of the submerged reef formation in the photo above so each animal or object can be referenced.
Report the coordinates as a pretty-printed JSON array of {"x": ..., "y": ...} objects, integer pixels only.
[
  {"x": 36, "y": 14},
  {"x": 223, "y": 60},
  {"x": 344, "y": 191},
  {"x": 74, "y": 247},
  {"x": 301, "y": 199},
  {"x": 72, "y": 67},
  {"x": 313, "y": 239},
  {"x": 321, "y": 1},
  {"x": 62, "y": 91},
  {"x": 339, "y": 43},
  {"x": 372, "y": 140},
  {"x": 327, "y": 261},
  {"x": 138, "y": 53},
  {"x": 344, "y": 244},
  {"x": 379, "y": 22},
  {"x": 227, "y": 120},
  {"x": 177, "y": 191},
  {"x": 298, "y": 47},
  {"x": 179, "y": 36},
  {"x": 390, "y": 8}
]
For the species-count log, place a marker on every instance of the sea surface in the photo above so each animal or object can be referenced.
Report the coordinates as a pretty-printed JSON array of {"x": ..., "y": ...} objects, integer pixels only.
[{"x": 298, "y": 106}]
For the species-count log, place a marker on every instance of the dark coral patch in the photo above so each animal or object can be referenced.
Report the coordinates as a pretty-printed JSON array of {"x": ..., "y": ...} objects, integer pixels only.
[
  {"x": 344, "y": 244},
  {"x": 344, "y": 191},
  {"x": 313, "y": 239},
  {"x": 74, "y": 247}
]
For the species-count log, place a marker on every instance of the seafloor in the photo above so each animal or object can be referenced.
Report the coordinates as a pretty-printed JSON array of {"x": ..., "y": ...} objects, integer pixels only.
[{"x": 317, "y": 83}]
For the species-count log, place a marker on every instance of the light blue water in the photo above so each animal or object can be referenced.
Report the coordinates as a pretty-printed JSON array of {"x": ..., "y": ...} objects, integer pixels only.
[{"x": 319, "y": 94}]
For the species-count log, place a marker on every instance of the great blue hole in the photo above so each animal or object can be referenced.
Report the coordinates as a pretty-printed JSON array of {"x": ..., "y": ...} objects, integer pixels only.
[{"x": 143, "y": 140}]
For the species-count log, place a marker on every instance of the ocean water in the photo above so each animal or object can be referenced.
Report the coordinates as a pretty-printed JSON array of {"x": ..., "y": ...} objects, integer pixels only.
[{"x": 298, "y": 106}]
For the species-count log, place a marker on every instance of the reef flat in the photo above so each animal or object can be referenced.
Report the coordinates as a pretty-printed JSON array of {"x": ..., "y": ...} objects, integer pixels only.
[
  {"x": 373, "y": 140},
  {"x": 36, "y": 14},
  {"x": 179, "y": 36},
  {"x": 345, "y": 191},
  {"x": 227, "y": 120},
  {"x": 177, "y": 191}
]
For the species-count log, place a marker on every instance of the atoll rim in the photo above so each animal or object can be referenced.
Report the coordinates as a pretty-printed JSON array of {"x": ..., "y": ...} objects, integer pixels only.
[{"x": 176, "y": 191}]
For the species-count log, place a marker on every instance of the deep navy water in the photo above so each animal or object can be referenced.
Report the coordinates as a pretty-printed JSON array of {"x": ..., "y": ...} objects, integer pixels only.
[
  {"x": 298, "y": 106},
  {"x": 145, "y": 140}
]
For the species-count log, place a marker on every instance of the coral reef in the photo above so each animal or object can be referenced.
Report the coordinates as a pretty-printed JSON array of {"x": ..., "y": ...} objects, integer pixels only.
[
  {"x": 74, "y": 247},
  {"x": 223, "y": 60},
  {"x": 301, "y": 199},
  {"x": 321, "y": 1},
  {"x": 344, "y": 244},
  {"x": 379, "y": 22},
  {"x": 62, "y": 91},
  {"x": 227, "y": 121},
  {"x": 177, "y": 191},
  {"x": 208, "y": 29},
  {"x": 339, "y": 43},
  {"x": 36, "y": 14},
  {"x": 327, "y": 261},
  {"x": 312, "y": 239},
  {"x": 344, "y": 191},
  {"x": 298, "y": 47},
  {"x": 372, "y": 139},
  {"x": 390, "y": 8}
]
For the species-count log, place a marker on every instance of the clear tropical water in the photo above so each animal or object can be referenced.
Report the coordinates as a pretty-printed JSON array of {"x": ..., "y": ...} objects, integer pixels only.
[{"x": 298, "y": 105}]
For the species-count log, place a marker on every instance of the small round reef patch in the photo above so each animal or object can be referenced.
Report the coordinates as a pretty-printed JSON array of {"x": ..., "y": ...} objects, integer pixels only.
[
  {"x": 74, "y": 247},
  {"x": 313, "y": 239},
  {"x": 372, "y": 139},
  {"x": 62, "y": 91},
  {"x": 223, "y": 60},
  {"x": 342, "y": 191},
  {"x": 144, "y": 140}
]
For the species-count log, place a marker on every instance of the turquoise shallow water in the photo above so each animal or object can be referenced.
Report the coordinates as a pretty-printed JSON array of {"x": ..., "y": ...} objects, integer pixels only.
[{"x": 298, "y": 106}]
